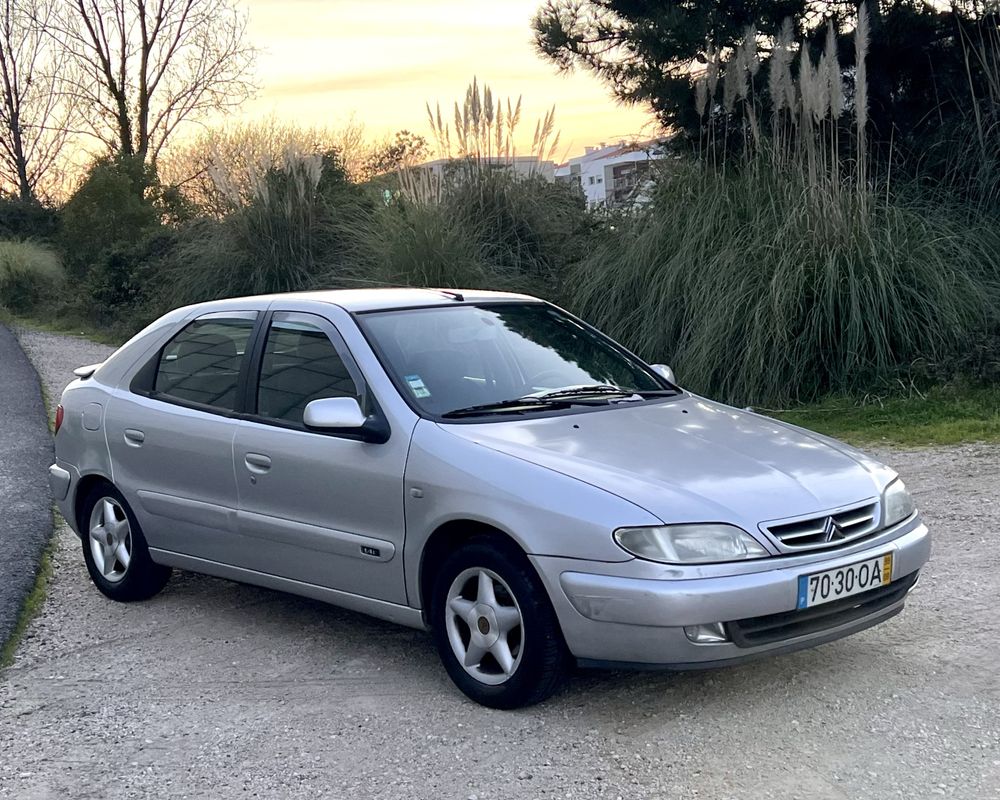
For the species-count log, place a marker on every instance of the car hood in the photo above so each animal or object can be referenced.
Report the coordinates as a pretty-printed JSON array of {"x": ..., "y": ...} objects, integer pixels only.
[{"x": 692, "y": 460}]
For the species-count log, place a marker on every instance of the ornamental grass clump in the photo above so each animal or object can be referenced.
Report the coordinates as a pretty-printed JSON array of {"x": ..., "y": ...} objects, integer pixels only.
[
  {"x": 30, "y": 276},
  {"x": 289, "y": 225},
  {"x": 757, "y": 289},
  {"x": 780, "y": 271},
  {"x": 487, "y": 217}
]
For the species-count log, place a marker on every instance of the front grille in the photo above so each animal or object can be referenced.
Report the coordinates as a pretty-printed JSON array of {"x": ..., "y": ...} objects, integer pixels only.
[
  {"x": 756, "y": 631},
  {"x": 827, "y": 530}
]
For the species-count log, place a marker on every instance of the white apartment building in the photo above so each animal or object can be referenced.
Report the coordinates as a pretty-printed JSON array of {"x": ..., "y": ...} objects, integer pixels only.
[{"x": 611, "y": 175}]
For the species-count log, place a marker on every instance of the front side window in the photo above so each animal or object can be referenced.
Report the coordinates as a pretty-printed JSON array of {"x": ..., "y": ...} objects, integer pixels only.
[
  {"x": 456, "y": 357},
  {"x": 201, "y": 364},
  {"x": 300, "y": 364}
]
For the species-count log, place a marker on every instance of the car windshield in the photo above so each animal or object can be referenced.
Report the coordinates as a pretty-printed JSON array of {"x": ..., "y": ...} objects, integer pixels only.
[{"x": 466, "y": 358}]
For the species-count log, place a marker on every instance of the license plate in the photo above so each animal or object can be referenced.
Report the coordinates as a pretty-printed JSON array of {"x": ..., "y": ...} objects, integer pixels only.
[{"x": 833, "y": 584}]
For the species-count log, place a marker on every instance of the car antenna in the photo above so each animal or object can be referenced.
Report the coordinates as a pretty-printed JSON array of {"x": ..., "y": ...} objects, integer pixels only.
[{"x": 452, "y": 294}]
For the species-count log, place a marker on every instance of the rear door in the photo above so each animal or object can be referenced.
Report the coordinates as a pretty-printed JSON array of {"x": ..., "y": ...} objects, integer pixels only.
[
  {"x": 316, "y": 507},
  {"x": 171, "y": 434}
]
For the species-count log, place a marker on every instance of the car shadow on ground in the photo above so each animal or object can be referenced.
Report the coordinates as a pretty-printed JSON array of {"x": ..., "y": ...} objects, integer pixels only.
[{"x": 325, "y": 640}]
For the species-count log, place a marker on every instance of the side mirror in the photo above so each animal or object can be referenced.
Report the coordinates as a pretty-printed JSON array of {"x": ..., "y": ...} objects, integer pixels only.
[
  {"x": 664, "y": 372},
  {"x": 344, "y": 415}
]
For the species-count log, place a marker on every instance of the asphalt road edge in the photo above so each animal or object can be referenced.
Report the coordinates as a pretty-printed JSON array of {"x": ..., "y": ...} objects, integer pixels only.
[{"x": 26, "y": 527}]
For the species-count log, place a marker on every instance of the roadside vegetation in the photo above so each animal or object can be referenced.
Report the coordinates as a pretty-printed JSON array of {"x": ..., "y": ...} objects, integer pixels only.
[
  {"x": 942, "y": 415},
  {"x": 787, "y": 256}
]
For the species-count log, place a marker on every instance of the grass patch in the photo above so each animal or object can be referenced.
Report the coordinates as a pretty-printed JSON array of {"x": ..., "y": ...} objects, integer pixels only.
[
  {"x": 32, "y": 604},
  {"x": 942, "y": 416}
]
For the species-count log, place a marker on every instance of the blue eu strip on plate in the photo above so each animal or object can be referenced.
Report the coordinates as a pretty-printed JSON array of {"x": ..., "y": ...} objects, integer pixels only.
[{"x": 803, "y": 591}]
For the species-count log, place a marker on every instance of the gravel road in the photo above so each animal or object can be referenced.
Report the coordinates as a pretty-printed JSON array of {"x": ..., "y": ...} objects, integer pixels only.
[{"x": 219, "y": 690}]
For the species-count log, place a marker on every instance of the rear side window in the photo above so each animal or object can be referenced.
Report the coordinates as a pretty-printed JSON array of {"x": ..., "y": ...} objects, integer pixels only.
[
  {"x": 201, "y": 364},
  {"x": 300, "y": 365}
]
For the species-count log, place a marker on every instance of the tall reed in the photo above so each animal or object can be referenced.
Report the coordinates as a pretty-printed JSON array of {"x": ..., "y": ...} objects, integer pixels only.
[
  {"x": 485, "y": 132},
  {"x": 805, "y": 109}
]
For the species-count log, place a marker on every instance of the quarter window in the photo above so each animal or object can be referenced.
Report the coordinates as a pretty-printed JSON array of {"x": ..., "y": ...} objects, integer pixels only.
[
  {"x": 201, "y": 364},
  {"x": 300, "y": 365}
]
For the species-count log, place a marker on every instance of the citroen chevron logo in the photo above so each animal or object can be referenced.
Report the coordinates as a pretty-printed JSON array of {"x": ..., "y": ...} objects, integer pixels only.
[{"x": 831, "y": 530}]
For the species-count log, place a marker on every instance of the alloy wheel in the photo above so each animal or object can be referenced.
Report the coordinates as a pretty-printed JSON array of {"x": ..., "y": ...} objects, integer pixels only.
[
  {"x": 110, "y": 539},
  {"x": 485, "y": 625}
]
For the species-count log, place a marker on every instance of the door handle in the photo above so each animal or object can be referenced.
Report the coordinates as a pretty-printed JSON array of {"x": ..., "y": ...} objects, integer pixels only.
[
  {"x": 134, "y": 437},
  {"x": 257, "y": 462}
]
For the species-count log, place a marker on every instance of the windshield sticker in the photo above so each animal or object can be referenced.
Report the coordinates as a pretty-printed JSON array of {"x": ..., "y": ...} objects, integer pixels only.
[{"x": 416, "y": 384}]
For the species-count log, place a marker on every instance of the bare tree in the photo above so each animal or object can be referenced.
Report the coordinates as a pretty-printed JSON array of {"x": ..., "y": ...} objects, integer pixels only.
[
  {"x": 35, "y": 122},
  {"x": 147, "y": 66}
]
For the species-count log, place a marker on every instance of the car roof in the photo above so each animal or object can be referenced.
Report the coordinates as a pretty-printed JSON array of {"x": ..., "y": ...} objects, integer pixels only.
[{"x": 360, "y": 300}]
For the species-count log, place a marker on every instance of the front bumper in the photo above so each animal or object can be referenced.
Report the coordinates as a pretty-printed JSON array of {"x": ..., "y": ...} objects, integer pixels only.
[{"x": 617, "y": 618}]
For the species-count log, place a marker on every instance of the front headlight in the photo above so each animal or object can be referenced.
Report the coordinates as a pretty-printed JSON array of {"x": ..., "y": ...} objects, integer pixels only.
[
  {"x": 701, "y": 543},
  {"x": 897, "y": 504}
]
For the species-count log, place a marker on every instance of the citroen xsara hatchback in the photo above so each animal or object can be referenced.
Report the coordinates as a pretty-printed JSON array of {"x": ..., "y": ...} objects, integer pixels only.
[{"x": 482, "y": 465}]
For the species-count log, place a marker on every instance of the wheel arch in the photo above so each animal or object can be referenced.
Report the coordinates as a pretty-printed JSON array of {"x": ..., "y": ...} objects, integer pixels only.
[
  {"x": 84, "y": 487},
  {"x": 446, "y": 538}
]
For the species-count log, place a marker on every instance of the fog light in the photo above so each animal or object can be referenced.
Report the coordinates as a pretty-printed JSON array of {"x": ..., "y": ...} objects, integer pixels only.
[{"x": 709, "y": 633}]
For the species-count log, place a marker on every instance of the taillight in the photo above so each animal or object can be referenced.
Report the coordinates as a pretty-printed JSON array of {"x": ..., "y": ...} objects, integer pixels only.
[{"x": 59, "y": 417}]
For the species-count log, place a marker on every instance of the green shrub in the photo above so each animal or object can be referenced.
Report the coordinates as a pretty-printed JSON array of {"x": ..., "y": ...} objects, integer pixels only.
[
  {"x": 30, "y": 275},
  {"x": 759, "y": 288},
  {"x": 109, "y": 209},
  {"x": 25, "y": 220}
]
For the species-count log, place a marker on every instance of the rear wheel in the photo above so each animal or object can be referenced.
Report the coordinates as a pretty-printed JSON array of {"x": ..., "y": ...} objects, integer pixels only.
[
  {"x": 115, "y": 550},
  {"x": 495, "y": 629}
]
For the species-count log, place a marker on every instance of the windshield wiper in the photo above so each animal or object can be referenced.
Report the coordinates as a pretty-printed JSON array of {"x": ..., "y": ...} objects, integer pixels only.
[
  {"x": 559, "y": 398},
  {"x": 600, "y": 390},
  {"x": 504, "y": 406}
]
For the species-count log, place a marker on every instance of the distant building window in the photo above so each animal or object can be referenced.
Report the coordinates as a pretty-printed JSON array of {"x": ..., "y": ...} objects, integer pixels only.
[
  {"x": 600, "y": 180},
  {"x": 591, "y": 180}
]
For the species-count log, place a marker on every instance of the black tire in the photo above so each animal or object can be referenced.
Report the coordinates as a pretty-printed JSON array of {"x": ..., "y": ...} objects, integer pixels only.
[
  {"x": 142, "y": 578},
  {"x": 543, "y": 659}
]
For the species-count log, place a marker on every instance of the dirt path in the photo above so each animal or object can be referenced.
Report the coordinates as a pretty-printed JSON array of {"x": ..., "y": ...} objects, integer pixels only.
[{"x": 219, "y": 690}]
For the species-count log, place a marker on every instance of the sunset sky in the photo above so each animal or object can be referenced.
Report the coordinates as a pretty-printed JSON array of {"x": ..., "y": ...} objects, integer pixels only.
[{"x": 381, "y": 60}]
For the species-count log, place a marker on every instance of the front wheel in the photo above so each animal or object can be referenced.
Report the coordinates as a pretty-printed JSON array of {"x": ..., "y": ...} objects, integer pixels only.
[
  {"x": 495, "y": 629},
  {"x": 115, "y": 549}
]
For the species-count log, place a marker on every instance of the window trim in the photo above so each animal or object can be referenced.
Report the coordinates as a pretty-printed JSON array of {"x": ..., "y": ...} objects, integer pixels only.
[{"x": 144, "y": 380}]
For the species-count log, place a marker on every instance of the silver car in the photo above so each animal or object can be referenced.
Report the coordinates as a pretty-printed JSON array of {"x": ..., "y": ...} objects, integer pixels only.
[{"x": 482, "y": 465}]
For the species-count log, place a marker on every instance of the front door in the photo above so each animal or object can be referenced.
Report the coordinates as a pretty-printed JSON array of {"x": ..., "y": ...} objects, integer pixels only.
[{"x": 315, "y": 507}]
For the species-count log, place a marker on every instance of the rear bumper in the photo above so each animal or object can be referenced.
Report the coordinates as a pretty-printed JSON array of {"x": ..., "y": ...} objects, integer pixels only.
[
  {"x": 640, "y": 622},
  {"x": 59, "y": 480},
  {"x": 63, "y": 480}
]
